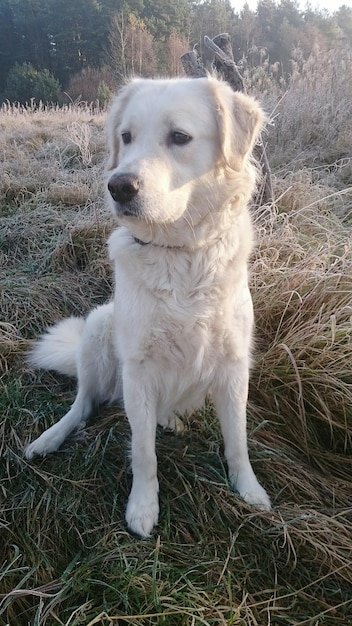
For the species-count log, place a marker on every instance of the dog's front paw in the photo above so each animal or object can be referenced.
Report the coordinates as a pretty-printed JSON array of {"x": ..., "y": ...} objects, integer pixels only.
[
  {"x": 250, "y": 490},
  {"x": 36, "y": 448},
  {"x": 46, "y": 443},
  {"x": 142, "y": 514}
]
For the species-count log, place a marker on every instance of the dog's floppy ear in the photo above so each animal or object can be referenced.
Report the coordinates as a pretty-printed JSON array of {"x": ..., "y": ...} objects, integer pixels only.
[
  {"x": 240, "y": 119},
  {"x": 114, "y": 119}
]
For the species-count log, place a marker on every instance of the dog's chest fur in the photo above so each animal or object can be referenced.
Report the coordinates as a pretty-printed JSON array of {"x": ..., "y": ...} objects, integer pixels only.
[{"x": 180, "y": 318}]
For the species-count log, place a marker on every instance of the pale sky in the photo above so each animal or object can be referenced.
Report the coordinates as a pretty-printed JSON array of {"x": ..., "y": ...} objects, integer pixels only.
[{"x": 330, "y": 5}]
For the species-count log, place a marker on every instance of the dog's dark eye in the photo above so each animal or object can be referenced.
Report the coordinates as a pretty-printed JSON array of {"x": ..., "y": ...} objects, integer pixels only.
[
  {"x": 178, "y": 138},
  {"x": 126, "y": 137}
]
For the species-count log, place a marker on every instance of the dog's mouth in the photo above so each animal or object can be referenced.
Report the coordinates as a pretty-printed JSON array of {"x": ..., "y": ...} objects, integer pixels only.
[{"x": 128, "y": 209}]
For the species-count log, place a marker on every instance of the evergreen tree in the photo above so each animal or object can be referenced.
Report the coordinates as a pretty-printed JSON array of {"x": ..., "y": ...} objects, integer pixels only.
[
  {"x": 23, "y": 35},
  {"x": 162, "y": 17},
  {"x": 211, "y": 18},
  {"x": 243, "y": 33},
  {"x": 9, "y": 41},
  {"x": 25, "y": 84},
  {"x": 76, "y": 31},
  {"x": 343, "y": 19}
]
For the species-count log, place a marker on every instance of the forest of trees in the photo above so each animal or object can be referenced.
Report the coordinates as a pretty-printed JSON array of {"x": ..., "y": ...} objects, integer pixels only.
[{"x": 52, "y": 50}]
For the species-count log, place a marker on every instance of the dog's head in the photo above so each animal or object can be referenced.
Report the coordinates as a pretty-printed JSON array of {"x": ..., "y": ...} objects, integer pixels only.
[{"x": 179, "y": 151}]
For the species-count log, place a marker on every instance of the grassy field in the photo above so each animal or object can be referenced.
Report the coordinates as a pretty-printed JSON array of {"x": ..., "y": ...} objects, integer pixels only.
[{"x": 66, "y": 557}]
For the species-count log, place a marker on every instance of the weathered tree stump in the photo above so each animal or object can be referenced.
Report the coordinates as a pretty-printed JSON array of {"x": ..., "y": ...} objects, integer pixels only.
[
  {"x": 225, "y": 66},
  {"x": 192, "y": 65}
]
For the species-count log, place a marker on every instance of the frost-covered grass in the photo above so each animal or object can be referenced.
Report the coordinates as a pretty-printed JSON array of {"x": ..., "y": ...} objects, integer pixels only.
[{"x": 65, "y": 554}]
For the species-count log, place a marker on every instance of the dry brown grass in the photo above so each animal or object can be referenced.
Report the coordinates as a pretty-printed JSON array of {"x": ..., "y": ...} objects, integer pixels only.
[
  {"x": 303, "y": 304},
  {"x": 66, "y": 556}
]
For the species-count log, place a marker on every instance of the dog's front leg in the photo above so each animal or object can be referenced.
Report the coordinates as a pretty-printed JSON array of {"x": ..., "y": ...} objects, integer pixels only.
[
  {"x": 143, "y": 506},
  {"x": 230, "y": 399}
]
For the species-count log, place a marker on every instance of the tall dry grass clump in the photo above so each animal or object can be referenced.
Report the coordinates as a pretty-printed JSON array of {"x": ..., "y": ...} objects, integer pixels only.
[
  {"x": 311, "y": 133},
  {"x": 303, "y": 301},
  {"x": 65, "y": 555},
  {"x": 316, "y": 109}
]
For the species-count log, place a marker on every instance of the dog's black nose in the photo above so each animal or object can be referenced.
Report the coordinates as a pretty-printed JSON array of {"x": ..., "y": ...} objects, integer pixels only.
[{"x": 123, "y": 187}]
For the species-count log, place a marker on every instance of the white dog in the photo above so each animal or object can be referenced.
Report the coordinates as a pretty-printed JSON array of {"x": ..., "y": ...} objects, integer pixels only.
[{"x": 180, "y": 178}]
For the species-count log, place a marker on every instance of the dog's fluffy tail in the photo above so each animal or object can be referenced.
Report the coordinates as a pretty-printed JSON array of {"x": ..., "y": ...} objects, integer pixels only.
[{"x": 57, "y": 349}]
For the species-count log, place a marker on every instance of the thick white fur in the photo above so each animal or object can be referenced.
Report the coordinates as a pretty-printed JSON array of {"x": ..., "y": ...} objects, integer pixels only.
[{"x": 181, "y": 323}]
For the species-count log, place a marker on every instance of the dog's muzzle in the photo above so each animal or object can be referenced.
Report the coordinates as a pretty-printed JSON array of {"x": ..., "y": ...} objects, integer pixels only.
[{"x": 123, "y": 189}]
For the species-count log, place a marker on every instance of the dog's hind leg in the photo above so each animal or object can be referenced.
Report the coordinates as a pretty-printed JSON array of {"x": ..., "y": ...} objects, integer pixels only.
[
  {"x": 95, "y": 365},
  {"x": 54, "y": 436},
  {"x": 171, "y": 422}
]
